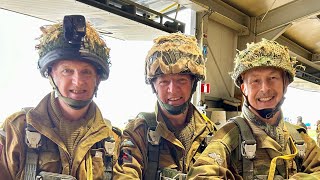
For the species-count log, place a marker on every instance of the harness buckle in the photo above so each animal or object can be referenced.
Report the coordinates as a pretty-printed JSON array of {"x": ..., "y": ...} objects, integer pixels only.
[
  {"x": 248, "y": 149},
  {"x": 178, "y": 176},
  {"x": 153, "y": 137},
  {"x": 208, "y": 139},
  {"x": 301, "y": 149},
  {"x": 33, "y": 139},
  {"x": 109, "y": 146}
]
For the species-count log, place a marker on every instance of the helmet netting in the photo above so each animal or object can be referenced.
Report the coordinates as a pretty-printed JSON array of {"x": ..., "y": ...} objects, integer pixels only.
[
  {"x": 263, "y": 54},
  {"x": 173, "y": 54},
  {"x": 52, "y": 38}
]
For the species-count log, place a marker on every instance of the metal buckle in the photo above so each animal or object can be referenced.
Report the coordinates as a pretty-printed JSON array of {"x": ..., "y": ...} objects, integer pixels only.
[
  {"x": 153, "y": 137},
  {"x": 179, "y": 176},
  {"x": 208, "y": 139},
  {"x": 33, "y": 139},
  {"x": 109, "y": 146},
  {"x": 248, "y": 150},
  {"x": 301, "y": 149}
]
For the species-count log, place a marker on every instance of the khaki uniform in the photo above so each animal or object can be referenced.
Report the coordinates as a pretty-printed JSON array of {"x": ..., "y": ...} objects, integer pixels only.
[
  {"x": 172, "y": 152},
  {"x": 318, "y": 134},
  {"x": 53, "y": 156},
  {"x": 220, "y": 160}
]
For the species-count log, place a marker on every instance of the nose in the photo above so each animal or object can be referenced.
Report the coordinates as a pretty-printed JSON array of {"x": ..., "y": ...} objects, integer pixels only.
[
  {"x": 265, "y": 86},
  {"x": 172, "y": 87},
  {"x": 78, "y": 79}
]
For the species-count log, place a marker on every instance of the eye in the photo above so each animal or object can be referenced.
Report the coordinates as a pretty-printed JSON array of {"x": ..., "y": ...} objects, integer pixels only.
[
  {"x": 274, "y": 77},
  {"x": 67, "y": 71},
  {"x": 254, "y": 81},
  {"x": 87, "y": 72},
  {"x": 182, "y": 81},
  {"x": 164, "y": 82}
]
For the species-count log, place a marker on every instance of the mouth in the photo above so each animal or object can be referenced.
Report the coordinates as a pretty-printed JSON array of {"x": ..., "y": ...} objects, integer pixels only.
[
  {"x": 78, "y": 94},
  {"x": 265, "y": 99},
  {"x": 77, "y": 91},
  {"x": 175, "y": 101}
]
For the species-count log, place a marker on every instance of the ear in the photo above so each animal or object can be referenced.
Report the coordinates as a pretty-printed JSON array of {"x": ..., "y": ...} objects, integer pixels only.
[
  {"x": 98, "y": 80},
  {"x": 243, "y": 89},
  {"x": 285, "y": 82},
  {"x": 153, "y": 87}
]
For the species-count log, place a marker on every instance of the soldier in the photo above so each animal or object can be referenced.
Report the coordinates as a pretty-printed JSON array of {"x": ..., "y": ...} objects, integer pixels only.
[
  {"x": 167, "y": 142},
  {"x": 259, "y": 144},
  {"x": 64, "y": 136},
  {"x": 301, "y": 123},
  {"x": 318, "y": 132}
]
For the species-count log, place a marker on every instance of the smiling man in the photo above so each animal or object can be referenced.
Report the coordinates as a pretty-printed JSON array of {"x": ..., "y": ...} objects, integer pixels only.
[
  {"x": 259, "y": 144},
  {"x": 65, "y": 135},
  {"x": 166, "y": 143}
]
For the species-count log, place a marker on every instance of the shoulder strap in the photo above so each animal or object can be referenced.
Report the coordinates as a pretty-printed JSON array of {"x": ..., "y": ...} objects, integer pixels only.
[
  {"x": 154, "y": 140},
  {"x": 33, "y": 141},
  {"x": 247, "y": 146},
  {"x": 299, "y": 143},
  {"x": 150, "y": 118},
  {"x": 108, "y": 146}
]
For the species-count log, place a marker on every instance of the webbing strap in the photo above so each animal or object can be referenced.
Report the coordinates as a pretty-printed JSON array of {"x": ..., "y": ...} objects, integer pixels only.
[
  {"x": 108, "y": 166},
  {"x": 150, "y": 118},
  {"x": 30, "y": 171},
  {"x": 151, "y": 171},
  {"x": 294, "y": 133},
  {"x": 247, "y": 146},
  {"x": 32, "y": 138},
  {"x": 153, "y": 162},
  {"x": 273, "y": 164},
  {"x": 299, "y": 143}
]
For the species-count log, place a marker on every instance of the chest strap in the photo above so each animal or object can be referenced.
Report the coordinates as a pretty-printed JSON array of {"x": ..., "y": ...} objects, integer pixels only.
[
  {"x": 247, "y": 146},
  {"x": 299, "y": 143},
  {"x": 154, "y": 140},
  {"x": 33, "y": 142},
  {"x": 105, "y": 149}
]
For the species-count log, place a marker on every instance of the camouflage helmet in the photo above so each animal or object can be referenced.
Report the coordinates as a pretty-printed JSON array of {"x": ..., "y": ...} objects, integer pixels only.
[
  {"x": 265, "y": 53},
  {"x": 53, "y": 47},
  {"x": 174, "y": 54}
]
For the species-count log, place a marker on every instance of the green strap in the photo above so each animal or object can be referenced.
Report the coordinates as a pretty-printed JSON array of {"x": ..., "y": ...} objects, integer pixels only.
[
  {"x": 30, "y": 171},
  {"x": 151, "y": 172},
  {"x": 299, "y": 143},
  {"x": 150, "y": 118},
  {"x": 247, "y": 146},
  {"x": 294, "y": 133},
  {"x": 31, "y": 165}
]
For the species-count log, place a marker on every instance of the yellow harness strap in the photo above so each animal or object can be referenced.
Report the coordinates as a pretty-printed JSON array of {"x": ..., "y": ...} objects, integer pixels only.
[
  {"x": 285, "y": 157},
  {"x": 205, "y": 117},
  {"x": 89, "y": 166}
]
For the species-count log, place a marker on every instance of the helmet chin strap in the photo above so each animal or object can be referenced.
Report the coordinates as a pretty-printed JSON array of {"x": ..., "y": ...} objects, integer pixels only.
[
  {"x": 74, "y": 104},
  {"x": 176, "y": 110},
  {"x": 267, "y": 113}
]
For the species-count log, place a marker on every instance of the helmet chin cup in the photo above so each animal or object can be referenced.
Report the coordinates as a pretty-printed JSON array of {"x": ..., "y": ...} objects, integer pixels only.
[{"x": 174, "y": 110}]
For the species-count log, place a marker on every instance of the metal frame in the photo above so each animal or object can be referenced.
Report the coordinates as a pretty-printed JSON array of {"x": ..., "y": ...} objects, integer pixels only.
[{"x": 140, "y": 13}]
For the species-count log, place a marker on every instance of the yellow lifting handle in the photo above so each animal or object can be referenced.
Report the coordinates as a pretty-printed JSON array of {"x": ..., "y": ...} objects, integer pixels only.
[{"x": 285, "y": 157}]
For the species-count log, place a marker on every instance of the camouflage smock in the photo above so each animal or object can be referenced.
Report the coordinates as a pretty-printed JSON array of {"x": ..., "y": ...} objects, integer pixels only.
[
  {"x": 53, "y": 156},
  {"x": 220, "y": 160},
  {"x": 135, "y": 132}
]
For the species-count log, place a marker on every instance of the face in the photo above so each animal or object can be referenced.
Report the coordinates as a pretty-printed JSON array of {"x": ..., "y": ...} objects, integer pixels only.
[
  {"x": 174, "y": 89},
  {"x": 75, "y": 79},
  {"x": 264, "y": 87}
]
